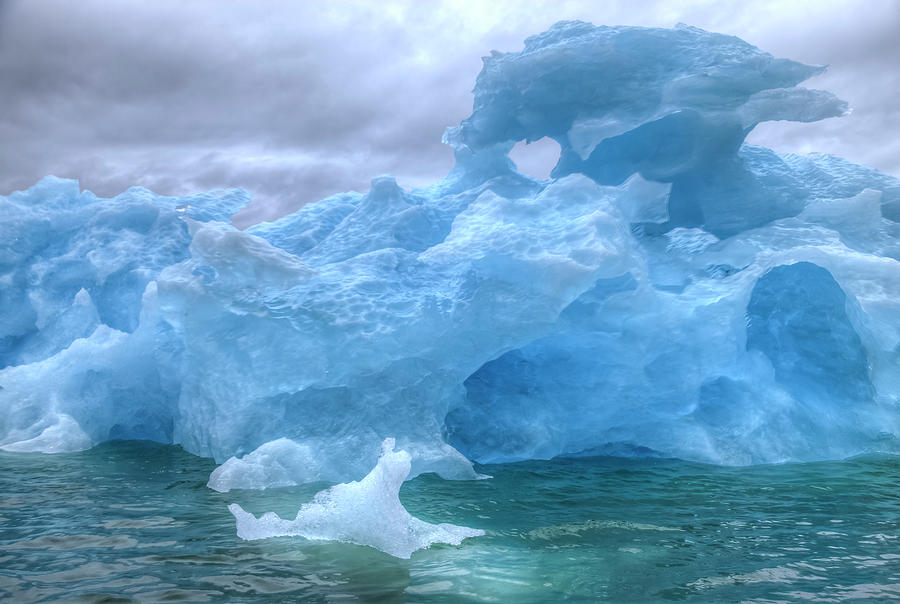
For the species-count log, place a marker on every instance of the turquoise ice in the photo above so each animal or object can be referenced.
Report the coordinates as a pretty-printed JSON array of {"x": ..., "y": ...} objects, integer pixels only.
[{"x": 669, "y": 291}]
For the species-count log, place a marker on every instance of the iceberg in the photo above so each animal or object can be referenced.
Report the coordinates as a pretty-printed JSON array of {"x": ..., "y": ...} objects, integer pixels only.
[
  {"x": 669, "y": 290},
  {"x": 367, "y": 512}
]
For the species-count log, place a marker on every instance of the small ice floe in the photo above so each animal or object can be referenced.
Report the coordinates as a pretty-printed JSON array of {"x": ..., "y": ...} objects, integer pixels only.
[{"x": 367, "y": 512}]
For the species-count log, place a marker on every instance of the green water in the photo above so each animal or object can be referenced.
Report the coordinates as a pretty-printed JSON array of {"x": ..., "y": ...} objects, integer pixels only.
[{"x": 133, "y": 521}]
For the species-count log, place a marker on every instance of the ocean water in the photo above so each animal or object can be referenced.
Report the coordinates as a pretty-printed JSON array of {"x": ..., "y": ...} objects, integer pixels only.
[{"x": 134, "y": 521}]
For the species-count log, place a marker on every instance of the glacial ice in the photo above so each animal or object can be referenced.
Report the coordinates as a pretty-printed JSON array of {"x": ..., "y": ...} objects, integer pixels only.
[
  {"x": 62, "y": 435},
  {"x": 670, "y": 290},
  {"x": 367, "y": 512}
]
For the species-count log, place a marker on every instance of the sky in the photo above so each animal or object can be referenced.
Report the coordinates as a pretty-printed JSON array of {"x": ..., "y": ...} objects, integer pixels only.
[{"x": 295, "y": 101}]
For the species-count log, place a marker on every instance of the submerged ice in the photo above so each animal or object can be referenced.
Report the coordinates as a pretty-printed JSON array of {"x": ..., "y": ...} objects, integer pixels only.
[
  {"x": 367, "y": 512},
  {"x": 670, "y": 290}
]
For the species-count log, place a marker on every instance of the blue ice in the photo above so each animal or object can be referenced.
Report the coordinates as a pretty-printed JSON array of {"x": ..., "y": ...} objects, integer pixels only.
[{"x": 670, "y": 290}]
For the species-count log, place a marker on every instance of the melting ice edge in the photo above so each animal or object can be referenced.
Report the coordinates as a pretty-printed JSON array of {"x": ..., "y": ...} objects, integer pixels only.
[{"x": 669, "y": 291}]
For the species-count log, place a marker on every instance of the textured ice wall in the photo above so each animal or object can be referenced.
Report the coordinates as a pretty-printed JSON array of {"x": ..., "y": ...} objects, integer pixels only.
[{"x": 669, "y": 291}]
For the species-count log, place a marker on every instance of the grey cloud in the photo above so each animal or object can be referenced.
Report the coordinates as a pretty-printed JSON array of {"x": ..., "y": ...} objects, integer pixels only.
[
  {"x": 153, "y": 95},
  {"x": 296, "y": 101}
]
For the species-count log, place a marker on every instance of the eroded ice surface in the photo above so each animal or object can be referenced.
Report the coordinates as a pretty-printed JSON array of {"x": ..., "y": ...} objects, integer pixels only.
[
  {"x": 670, "y": 290},
  {"x": 367, "y": 512}
]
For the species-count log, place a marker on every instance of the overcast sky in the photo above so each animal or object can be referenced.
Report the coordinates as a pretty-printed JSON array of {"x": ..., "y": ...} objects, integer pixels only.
[{"x": 296, "y": 101}]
